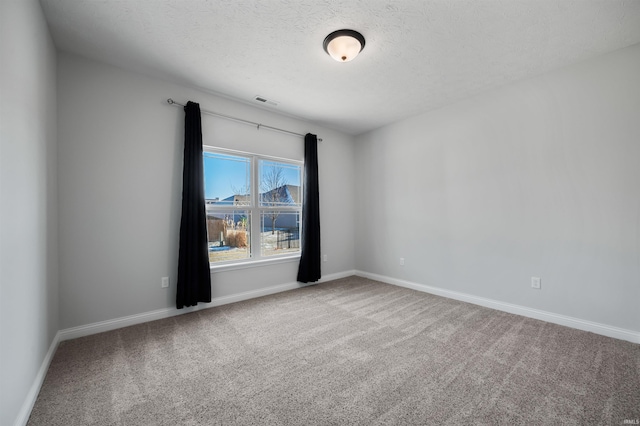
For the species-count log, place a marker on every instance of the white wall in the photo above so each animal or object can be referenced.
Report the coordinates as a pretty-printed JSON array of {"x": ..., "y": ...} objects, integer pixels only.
[
  {"x": 120, "y": 189},
  {"x": 539, "y": 178},
  {"x": 28, "y": 207}
]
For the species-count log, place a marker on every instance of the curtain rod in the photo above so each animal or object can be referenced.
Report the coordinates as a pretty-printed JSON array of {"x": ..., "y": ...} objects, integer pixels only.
[{"x": 240, "y": 120}]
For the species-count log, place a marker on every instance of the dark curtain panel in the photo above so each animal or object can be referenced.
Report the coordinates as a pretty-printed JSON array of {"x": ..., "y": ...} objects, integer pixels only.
[
  {"x": 309, "y": 269},
  {"x": 194, "y": 277}
]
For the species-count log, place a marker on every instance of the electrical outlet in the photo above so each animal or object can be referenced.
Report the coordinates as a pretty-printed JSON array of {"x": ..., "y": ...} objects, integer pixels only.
[
  {"x": 164, "y": 282},
  {"x": 402, "y": 261},
  {"x": 324, "y": 258},
  {"x": 535, "y": 282}
]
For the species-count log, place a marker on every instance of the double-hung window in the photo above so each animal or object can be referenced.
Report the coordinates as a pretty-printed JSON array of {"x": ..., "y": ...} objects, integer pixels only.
[{"x": 254, "y": 206}]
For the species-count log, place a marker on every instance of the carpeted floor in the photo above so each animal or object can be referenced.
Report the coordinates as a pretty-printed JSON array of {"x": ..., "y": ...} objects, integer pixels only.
[{"x": 347, "y": 352}]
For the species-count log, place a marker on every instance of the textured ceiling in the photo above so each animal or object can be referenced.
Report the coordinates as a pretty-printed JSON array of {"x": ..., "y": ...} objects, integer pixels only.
[{"x": 419, "y": 54}]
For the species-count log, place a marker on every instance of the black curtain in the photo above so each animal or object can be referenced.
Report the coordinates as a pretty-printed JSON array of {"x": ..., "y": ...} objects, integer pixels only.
[
  {"x": 194, "y": 277},
  {"x": 309, "y": 268}
]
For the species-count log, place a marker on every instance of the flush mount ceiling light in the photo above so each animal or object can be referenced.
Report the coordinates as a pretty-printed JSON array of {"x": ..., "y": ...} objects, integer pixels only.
[{"x": 343, "y": 45}]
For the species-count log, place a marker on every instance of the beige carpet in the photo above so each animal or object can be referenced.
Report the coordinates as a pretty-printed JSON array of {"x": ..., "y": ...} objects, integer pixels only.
[{"x": 347, "y": 352}]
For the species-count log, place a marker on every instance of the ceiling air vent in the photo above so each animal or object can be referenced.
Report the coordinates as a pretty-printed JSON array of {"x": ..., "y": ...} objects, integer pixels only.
[{"x": 265, "y": 101}]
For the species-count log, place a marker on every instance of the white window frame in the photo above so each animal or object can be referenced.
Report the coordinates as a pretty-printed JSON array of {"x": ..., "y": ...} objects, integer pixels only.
[{"x": 255, "y": 258}]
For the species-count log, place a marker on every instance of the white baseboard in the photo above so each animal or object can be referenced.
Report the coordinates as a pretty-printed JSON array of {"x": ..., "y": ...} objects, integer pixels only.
[
  {"x": 32, "y": 395},
  {"x": 580, "y": 324},
  {"x": 337, "y": 276},
  {"x": 113, "y": 324}
]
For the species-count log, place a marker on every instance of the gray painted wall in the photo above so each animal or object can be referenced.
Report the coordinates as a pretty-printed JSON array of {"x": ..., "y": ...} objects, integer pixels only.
[
  {"x": 28, "y": 206},
  {"x": 120, "y": 177},
  {"x": 539, "y": 178}
]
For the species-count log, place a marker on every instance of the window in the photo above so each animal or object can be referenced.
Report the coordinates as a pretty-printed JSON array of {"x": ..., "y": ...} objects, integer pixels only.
[{"x": 254, "y": 206}]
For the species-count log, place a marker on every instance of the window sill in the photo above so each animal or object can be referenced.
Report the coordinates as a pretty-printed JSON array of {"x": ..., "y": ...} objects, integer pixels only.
[{"x": 253, "y": 264}]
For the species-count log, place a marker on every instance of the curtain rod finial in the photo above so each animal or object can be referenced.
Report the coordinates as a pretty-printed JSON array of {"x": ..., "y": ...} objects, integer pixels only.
[{"x": 170, "y": 101}]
